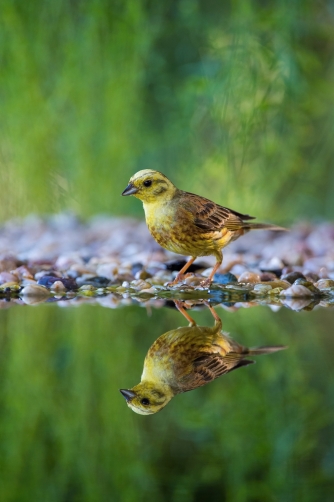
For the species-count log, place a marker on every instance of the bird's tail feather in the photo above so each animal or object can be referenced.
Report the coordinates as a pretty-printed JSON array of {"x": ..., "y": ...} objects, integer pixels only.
[
  {"x": 258, "y": 351},
  {"x": 263, "y": 226}
]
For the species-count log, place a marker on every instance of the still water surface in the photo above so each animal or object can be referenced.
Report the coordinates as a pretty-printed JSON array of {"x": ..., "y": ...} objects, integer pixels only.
[{"x": 262, "y": 433}]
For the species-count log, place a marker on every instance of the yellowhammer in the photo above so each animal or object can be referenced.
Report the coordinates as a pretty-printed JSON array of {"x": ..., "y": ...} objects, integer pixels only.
[
  {"x": 186, "y": 223},
  {"x": 186, "y": 358}
]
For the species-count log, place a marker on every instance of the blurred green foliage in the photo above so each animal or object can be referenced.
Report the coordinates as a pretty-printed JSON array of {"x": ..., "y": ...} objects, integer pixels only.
[
  {"x": 230, "y": 99},
  {"x": 260, "y": 433}
]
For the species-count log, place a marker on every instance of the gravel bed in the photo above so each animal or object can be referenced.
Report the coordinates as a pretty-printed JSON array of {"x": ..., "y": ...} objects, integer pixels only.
[{"x": 62, "y": 257}]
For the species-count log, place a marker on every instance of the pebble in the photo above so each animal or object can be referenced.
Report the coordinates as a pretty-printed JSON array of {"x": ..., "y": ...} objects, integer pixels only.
[
  {"x": 291, "y": 277},
  {"x": 296, "y": 304},
  {"x": 224, "y": 278},
  {"x": 296, "y": 291},
  {"x": 142, "y": 274},
  {"x": 35, "y": 290},
  {"x": 139, "y": 284},
  {"x": 324, "y": 284},
  {"x": 262, "y": 289},
  {"x": 8, "y": 277},
  {"x": 58, "y": 287},
  {"x": 10, "y": 286},
  {"x": 249, "y": 277},
  {"x": 307, "y": 284},
  {"x": 267, "y": 276},
  {"x": 49, "y": 280}
]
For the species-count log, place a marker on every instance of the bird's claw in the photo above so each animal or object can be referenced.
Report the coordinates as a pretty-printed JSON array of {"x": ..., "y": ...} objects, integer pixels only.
[{"x": 206, "y": 283}]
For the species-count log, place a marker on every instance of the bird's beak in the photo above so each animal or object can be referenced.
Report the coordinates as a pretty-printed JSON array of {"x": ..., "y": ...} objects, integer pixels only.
[
  {"x": 128, "y": 394},
  {"x": 130, "y": 190}
]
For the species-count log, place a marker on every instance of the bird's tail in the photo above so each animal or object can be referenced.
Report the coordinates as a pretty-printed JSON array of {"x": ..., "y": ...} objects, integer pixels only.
[
  {"x": 262, "y": 226},
  {"x": 258, "y": 351}
]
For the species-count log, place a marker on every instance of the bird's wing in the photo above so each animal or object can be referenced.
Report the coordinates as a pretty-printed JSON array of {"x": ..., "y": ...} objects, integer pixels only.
[
  {"x": 211, "y": 366},
  {"x": 210, "y": 217}
]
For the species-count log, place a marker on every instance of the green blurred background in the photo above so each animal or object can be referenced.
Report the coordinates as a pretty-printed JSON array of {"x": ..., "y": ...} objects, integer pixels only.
[{"x": 232, "y": 99}]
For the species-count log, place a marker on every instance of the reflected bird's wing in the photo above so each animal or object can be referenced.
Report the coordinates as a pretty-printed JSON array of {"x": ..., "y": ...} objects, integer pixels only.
[{"x": 211, "y": 366}]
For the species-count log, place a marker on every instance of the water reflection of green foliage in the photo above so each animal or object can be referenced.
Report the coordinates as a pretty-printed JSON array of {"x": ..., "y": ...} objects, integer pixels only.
[{"x": 65, "y": 433}]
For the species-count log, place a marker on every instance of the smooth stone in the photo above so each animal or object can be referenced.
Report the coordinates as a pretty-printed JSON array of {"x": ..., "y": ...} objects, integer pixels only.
[
  {"x": 139, "y": 284},
  {"x": 324, "y": 284},
  {"x": 58, "y": 287},
  {"x": 224, "y": 278},
  {"x": 97, "y": 281},
  {"x": 49, "y": 280},
  {"x": 275, "y": 265},
  {"x": 296, "y": 303},
  {"x": 87, "y": 287},
  {"x": 279, "y": 283},
  {"x": 249, "y": 277},
  {"x": 10, "y": 286},
  {"x": 267, "y": 276},
  {"x": 22, "y": 272},
  {"x": 262, "y": 289},
  {"x": 35, "y": 290},
  {"x": 307, "y": 284},
  {"x": 291, "y": 277},
  {"x": 296, "y": 291},
  {"x": 142, "y": 274},
  {"x": 8, "y": 277}
]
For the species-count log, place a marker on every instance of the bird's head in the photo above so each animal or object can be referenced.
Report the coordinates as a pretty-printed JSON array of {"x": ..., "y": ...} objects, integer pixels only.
[
  {"x": 150, "y": 186},
  {"x": 146, "y": 399}
]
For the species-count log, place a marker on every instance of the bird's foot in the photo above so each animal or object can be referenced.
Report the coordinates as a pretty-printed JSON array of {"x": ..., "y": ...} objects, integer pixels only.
[
  {"x": 206, "y": 283},
  {"x": 178, "y": 279}
]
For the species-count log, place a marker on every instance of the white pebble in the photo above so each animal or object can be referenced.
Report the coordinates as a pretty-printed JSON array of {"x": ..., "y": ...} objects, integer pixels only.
[{"x": 296, "y": 291}]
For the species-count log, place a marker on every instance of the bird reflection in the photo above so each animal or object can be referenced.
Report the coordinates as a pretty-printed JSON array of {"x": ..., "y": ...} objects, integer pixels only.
[{"x": 186, "y": 358}]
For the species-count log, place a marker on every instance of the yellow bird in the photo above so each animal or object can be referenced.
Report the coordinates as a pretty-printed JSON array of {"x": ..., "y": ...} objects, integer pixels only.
[
  {"x": 186, "y": 223},
  {"x": 186, "y": 358}
]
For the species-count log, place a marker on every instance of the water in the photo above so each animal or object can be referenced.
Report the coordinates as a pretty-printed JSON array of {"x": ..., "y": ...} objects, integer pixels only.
[{"x": 261, "y": 433}]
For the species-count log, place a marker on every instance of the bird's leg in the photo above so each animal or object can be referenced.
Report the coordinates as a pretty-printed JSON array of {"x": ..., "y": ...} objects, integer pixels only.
[
  {"x": 180, "y": 275},
  {"x": 207, "y": 282},
  {"x": 179, "y": 306},
  {"x": 218, "y": 321}
]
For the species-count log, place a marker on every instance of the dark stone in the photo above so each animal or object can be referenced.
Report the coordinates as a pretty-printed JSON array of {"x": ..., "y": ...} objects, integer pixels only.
[
  {"x": 176, "y": 265},
  {"x": 224, "y": 278},
  {"x": 277, "y": 272},
  {"x": 312, "y": 277},
  {"x": 97, "y": 282},
  {"x": 268, "y": 276},
  {"x": 291, "y": 277},
  {"x": 136, "y": 267},
  {"x": 47, "y": 281}
]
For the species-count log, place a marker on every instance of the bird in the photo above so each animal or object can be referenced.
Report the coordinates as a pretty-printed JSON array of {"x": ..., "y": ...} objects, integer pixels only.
[
  {"x": 186, "y": 358},
  {"x": 186, "y": 223}
]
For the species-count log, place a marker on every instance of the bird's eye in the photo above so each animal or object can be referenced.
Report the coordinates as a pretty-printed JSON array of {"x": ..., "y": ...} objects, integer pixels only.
[
  {"x": 147, "y": 183},
  {"x": 145, "y": 401}
]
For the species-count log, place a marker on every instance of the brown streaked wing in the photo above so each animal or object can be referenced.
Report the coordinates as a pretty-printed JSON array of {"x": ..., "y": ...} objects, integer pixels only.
[
  {"x": 208, "y": 367},
  {"x": 211, "y": 217}
]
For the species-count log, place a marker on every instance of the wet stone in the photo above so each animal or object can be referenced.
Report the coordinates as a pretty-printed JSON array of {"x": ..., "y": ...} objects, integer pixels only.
[
  {"x": 307, "y": 284},
  {"x": 49, "y": 280},
  {"x": 262, "y": 289},
  {"x": 267, "y": 276},
  {"x": 58, "y": 287},
  {"x": 97, "y": 281},
  {"x": 35, "y": 290},
  {"x": 296, "y": 291},
  {"x": 324, "y": 284},
  {"x": 224, "y": 278},
  {"x": 249, "y": 277},
  {"x": 291, "y": 277},
  {"x": 8, "y": 277}
]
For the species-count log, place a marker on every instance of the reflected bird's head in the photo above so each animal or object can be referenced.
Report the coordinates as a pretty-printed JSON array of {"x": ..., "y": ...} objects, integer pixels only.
[
  {"x": 145, "y": 398},
  {"x": 149, "y": 185}
]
